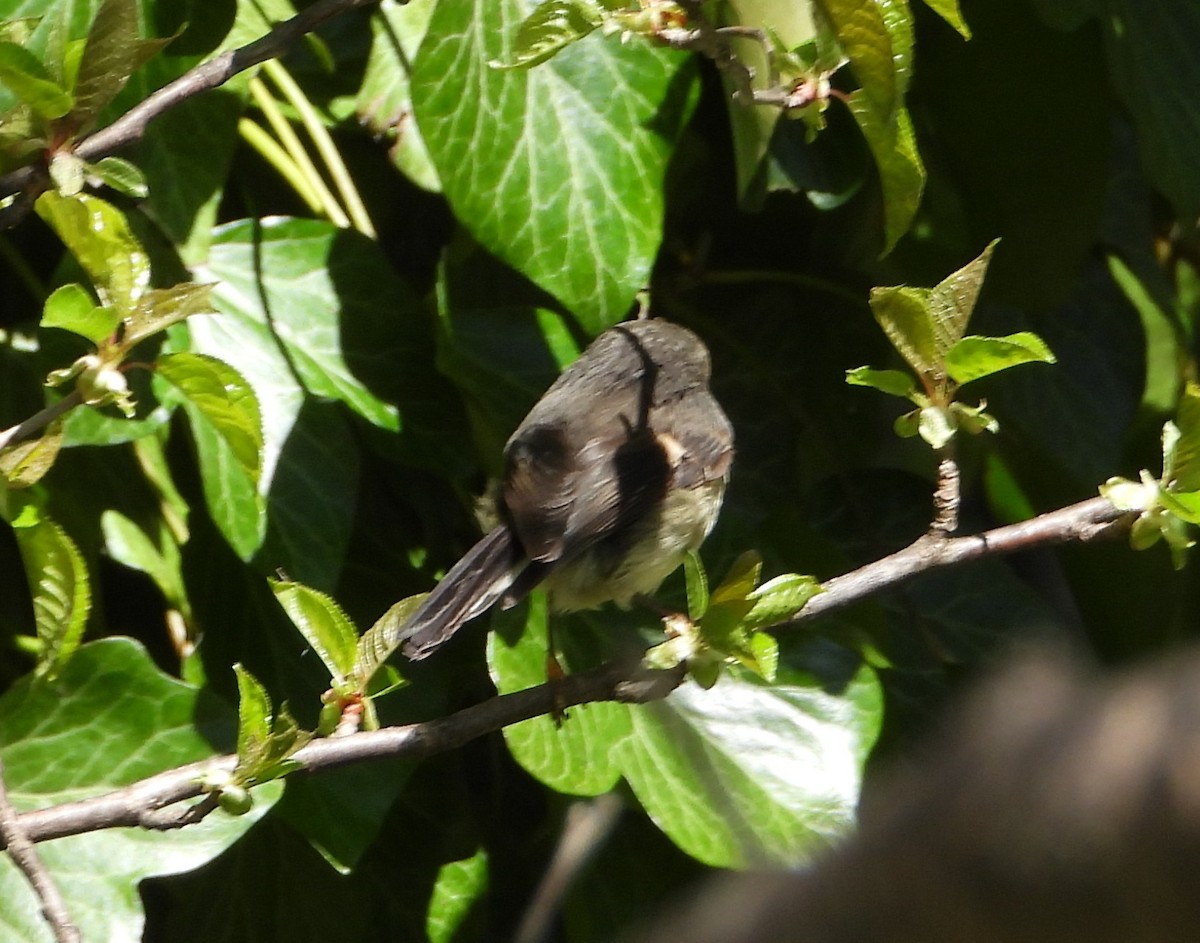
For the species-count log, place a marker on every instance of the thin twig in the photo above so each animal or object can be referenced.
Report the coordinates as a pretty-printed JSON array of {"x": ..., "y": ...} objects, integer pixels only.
[
  {"x": 947, "y": 495},
  {"x": 38, "y": 421},
  {"x": 131, "y": 126},
  {"x": 1086, "y": 521},
  {"x": 24, "y": 855}
]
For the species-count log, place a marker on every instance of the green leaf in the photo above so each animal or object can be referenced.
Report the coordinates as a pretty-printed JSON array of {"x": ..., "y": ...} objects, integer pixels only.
[
  {"x": 227, "y": 427},
  {"x": 551, "y": 27},
  {"x": 113, "y": 52},
  {"x": 904, "y": 315},
  {"x": 936, "y": 425},
  {"x": 383, "y": 102},
  {"x": 948, "y": 10},
  {"x": 863, "y": 34},
  {"x": 780, "y": 599},
  {"x": 324, "y": 625},
  {"x": 254, "y": 714},
  {"x": 120, "y": 175},
  {"x": 71, "y": 308},
  {"x": 1185, "y": 466},
  {"x": 157, "y": 557},
  {"x": 974, "y": 357},
  {"x": 25, "y": 76},
  {"x": 895, "y": 382},
  {"x": 740, "y": 580},
  {"x": 953, "y": 299},
  {"x": 58, "y": 582},
  {"x": 458, "y": 887},
  {"x": 697, "y": 586},
  {"x": 575, "y": 758},
  {"x": 751, "y": 775},
  {"x": 98, "y": 235},
  {"x": 24, "y": 464},
  {"x": 381, "y": 640},
  {"x": 559, "y": 170},
  {"x": 1155, "y": 70},
  {"x": 1185, "y": 506},
  {"x": 110, "y": 719},
  {"x": 159, "y": 308}
]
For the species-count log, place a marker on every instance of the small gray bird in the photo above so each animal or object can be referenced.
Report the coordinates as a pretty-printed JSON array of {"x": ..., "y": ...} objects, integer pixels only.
[{"x": 616, "y": 473}]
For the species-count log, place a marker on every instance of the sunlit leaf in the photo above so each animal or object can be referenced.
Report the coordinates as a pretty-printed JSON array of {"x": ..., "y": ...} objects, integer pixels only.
[
  {"x": 974, "y": 357},
  {"x": 323, "y": 623}
]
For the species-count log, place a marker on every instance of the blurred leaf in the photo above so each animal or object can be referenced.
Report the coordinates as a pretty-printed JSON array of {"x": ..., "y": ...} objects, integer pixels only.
[
  {"x": 120, "y": 175},
  {"x": 159, "y": 308},
  {"x": 697, "y": 585},
  {"x": 157, "y": 557},
  {"x": 71, "y": 308},
  {"x": 459, "y": 885},
  {"x": 60, "y": 588},
  {"x": 895, "y": 382},
  {"x": 25, "y": 76},
  {"x": 1185, "y": 467},
  {"x": 110, "y": 719},
  {"x": 324, "y": 625},
  {"x": 98, "y": 235},
  {"x": 559, "y": 170},
  {"x": 24, "y": 464},
  {"x": 780, "y": 598},
  {"x": 948, "y": 10},
  {"x": 974, "y": 357}
]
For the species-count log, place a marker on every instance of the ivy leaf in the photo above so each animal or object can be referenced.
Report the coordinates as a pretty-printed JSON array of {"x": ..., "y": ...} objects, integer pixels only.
[
  {"x": 975, "y": 357},
  {"x": 71, "y": 308},
  {"x": 894, "y": 382},
  {"x": 58, "y": 583},
  {"x": 559, "y": 170},
  {"x": 324, "y": 625},
  {"x": 552, "y": 26}
]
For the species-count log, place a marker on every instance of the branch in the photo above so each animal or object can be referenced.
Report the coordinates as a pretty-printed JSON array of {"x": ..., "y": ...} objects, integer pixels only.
[
  {"x": 1086, "y": 521},
  {"x": 131, "y": 126},
  {"x": 145, "y": 803},
  {"x": 25, "y": 857}
]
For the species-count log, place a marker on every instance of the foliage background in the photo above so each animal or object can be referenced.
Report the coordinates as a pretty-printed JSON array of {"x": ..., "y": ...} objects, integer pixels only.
[{"x": 390, "y": 370}]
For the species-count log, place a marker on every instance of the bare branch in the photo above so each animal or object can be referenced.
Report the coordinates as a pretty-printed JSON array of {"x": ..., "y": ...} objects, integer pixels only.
[
  {"x": 147, "y": 803},
  {"x": 24, "y": 855},
  {"x": 1088, "y": 520},
  {"x": 131, "y": 126}
]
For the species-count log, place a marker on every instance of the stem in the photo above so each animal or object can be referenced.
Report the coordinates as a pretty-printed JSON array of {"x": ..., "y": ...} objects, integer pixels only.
[
  {"x": 330, "y": 208},
  {"x": 325, "y": 146},
  {"x": 271, "y": 151}
]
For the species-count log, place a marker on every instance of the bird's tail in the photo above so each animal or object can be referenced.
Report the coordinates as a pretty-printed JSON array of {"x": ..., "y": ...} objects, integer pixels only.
[{"x": 473, "y": 584}]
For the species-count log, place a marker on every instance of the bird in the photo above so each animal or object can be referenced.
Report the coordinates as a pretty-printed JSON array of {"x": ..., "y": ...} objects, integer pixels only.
[{"x": 614, "y": 476}]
